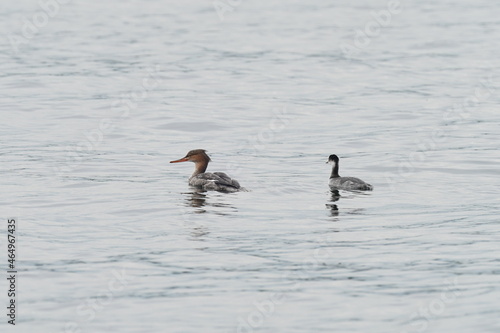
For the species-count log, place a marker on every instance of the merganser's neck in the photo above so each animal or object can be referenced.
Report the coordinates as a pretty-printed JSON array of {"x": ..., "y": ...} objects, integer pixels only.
[
  {"x": 200, "y": 166},
  {"x": 335, "y": 171}
]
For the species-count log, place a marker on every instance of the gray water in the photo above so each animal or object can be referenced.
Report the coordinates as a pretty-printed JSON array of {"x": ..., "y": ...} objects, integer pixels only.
[{"x": 98, "y": 97}]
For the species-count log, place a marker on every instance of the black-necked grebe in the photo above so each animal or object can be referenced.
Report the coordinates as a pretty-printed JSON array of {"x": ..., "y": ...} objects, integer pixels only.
[
  {"x": 345, "y": 183},
  {"x": 216, "y": 181}
]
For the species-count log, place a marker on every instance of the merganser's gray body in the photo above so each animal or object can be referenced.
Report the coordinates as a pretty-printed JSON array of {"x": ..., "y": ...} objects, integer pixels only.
[
  {"x": 208, "y": 181},
  {"x": 215, "y": 181}
]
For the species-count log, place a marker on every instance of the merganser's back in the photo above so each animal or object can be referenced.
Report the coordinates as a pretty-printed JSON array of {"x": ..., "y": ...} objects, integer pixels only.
[
  {"x": 209, "y": 181},
  {"x": 345, "y": 183}
]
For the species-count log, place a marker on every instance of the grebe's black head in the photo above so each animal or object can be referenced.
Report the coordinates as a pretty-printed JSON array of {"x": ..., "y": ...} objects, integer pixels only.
[{"x": 333, "y": 159}]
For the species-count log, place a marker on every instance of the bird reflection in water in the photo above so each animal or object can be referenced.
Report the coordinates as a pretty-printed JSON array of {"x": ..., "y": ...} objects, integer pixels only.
[
  {"x": 334, "y": 209},
  {"x": 194, "y": 203},
  {"x": 198, "y": 201},
  {"x": 335, "y": 196},
  {"x": 203, "y": 201}
]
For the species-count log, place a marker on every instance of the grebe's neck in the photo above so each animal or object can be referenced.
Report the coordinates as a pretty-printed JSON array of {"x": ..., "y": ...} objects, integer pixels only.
[{"x": 335, "y": 171}]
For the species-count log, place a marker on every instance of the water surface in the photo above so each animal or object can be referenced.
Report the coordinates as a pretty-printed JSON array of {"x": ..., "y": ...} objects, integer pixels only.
[{"x": 112, "y": 238}]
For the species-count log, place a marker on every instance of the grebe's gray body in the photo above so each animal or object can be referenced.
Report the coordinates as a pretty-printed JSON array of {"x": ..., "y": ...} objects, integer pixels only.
[{"x": 345, "y": 183}]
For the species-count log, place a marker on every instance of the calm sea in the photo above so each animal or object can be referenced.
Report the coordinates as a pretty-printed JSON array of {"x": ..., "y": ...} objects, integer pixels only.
[{"x": 97, "y": 97}]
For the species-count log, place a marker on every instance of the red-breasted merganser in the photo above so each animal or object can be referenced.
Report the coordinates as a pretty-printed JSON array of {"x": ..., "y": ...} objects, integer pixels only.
[
  {"x": 345, "y": 183},
  {"x": 209, "y": 181}
]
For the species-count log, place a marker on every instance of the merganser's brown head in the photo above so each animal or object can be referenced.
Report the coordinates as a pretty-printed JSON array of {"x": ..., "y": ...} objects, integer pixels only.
[
  {"x": 196, "y": 156},
  {"x": 200, "y": 159}
]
